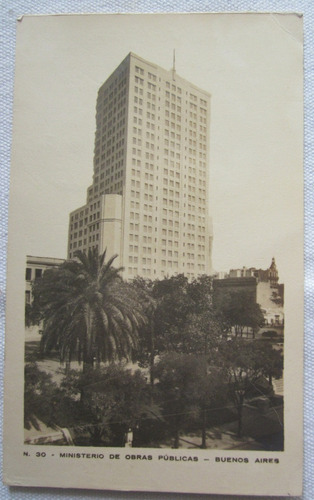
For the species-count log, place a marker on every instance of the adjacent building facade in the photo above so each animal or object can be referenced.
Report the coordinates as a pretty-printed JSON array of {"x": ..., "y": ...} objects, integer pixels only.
[
  {"x": 148, "y": 202},
  {"x": 35, "y": 267},
  {"x": 262, "y": 285}
]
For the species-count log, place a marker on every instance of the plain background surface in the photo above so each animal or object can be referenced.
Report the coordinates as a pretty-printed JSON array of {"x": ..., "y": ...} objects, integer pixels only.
[
  {"x": 10, "y": 11},
  {"x": 251, "y": 64}
]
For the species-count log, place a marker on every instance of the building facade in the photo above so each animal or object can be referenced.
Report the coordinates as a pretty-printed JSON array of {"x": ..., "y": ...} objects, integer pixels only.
[
  {"x": 148, "y": 202},
  {"x": 262, "y": 285},
  {"x": 269, "y": 275},
  {"x": 223, "y": 286},
  {"x": 35, "y": 267}
]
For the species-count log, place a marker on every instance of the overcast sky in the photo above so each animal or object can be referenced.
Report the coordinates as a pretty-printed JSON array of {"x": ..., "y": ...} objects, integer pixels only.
[{"x": 250, "y": 64}]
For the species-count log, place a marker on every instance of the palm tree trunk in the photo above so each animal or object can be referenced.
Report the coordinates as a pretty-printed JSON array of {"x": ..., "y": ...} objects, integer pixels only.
[
  {"x": 88, "y": 361},
  {"x": 152, "y": 355},
  {"x": 88, "y": 355},
  {"x": 240, "y": 415},
  {"x": 68, "y": 363},
  {"x": 203, "y": 445},
  {"x": 176, "y": 436},
  {"x": 98, "y": 360}
]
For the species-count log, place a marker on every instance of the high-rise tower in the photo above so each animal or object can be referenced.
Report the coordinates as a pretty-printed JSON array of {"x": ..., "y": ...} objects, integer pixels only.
[{"x": 149, "y": 200}]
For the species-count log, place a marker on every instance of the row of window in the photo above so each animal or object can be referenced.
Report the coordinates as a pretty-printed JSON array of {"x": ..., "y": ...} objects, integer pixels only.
[
  {"x": 29, "y": 275},
  {"x": 172, "y": 154},
  {"x": 173, "y": 125},
  {"x": 108, "y": 135},
  {"x": 114, "y": 142},
  {"x": 173, "y": 87},
  {"x": 173, "y": 108},
  {"x": 112, "y": 102},
  {"x": 78, "y": 215},
  {"x": 105, "y": 114},
  {"x": 117, "y": 83},
  {"x": 111, "y": 127},
  {"x": 149, "y": 187},
  {"x": 83, "y": 242},
  {"x": 171, "y": 143},
  {"x": 113, "y": 90},
  {"x": 172, "y": 105},
  {"x": 170, "y": 203}
]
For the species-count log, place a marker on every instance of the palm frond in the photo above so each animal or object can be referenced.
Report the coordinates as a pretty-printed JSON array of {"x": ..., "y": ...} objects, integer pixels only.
[{"x": 88, "y": 308}]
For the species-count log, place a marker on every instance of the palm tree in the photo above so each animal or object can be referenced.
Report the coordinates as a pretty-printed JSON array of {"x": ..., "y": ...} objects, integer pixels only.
[{"x": 87, "y": 308}]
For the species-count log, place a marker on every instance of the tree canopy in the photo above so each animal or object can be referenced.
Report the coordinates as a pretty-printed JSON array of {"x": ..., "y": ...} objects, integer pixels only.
[
  {"x": 169, "y": 326},
  {"x": 239, "y": 309},
  {"x": 181, "y": 316},
  {"x": 87, "y": 308},
  {"x": 245, "y": 364},
  {"x": 185, "y": 387}
]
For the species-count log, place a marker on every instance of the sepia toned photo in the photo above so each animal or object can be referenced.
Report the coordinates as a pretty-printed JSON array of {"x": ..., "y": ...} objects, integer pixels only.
[{"x": 155, "y": 286}]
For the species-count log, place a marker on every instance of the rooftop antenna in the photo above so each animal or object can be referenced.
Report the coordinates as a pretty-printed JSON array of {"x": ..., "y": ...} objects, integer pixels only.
[{"x": 174, "y": 64}]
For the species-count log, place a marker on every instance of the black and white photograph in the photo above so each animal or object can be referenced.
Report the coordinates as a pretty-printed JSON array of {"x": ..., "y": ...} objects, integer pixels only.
[{"x": 155, "y": 259}]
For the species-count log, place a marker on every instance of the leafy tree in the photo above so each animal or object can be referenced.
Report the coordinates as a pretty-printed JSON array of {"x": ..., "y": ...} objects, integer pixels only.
[
  {"x": 98, "y": 406},
  {"x": 244, "y": 364},
  {"x": 146, "y": 351},
  {"x": 112, "y": 400},
  {"x": 181, "y": 320},
  {"x": 87, "y": 308},
  {"x": 238, "y": 309},
  {"x": 32, "y": 315},
  {"x": 200, "y": 291},
  {"x": 28, "y": 315},
  {"x": 181, "y": 317},
  {"x": 32, "y": 311},
  {"x": 191, "y": 325},
  {"x": 199, "y": 335},
  {"x": 173, "y": 307},
  {"x": 185, "y": 388},
  {"x": 37, "y": 384},
  {"x": 276, "y": 298},
  {"x": 273, "y": 361},
  {"x": 44, "y": 401},
  {"x": 166, "y": 305}
]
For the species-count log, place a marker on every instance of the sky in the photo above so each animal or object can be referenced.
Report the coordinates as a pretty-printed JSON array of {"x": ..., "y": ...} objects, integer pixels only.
[{"x": 252, "y": 67}]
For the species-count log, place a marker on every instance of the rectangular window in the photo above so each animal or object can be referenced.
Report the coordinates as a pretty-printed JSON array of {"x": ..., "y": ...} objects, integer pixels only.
[{"x": 38, "y": 273}]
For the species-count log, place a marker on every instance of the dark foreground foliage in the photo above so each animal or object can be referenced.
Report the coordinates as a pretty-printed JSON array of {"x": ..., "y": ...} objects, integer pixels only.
[{"x": 98, "y": 406}]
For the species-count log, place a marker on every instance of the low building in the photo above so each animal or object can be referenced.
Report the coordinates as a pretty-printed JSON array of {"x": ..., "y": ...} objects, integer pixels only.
[
  {"x": 262, "y": 285},
  {"x": 229, "y": 284},
  {"x": 35, "y": 266}
]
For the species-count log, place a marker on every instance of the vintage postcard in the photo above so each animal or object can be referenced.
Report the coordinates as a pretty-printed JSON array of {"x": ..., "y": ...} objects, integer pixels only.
[{"x": 155, "y": 263}]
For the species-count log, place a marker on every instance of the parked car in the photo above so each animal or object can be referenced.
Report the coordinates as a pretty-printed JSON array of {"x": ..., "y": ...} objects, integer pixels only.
[{"x": 270, "y": 334}]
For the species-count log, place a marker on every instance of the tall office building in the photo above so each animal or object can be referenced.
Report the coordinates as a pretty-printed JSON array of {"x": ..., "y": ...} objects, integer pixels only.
[{"x": 149, "y": 200}]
